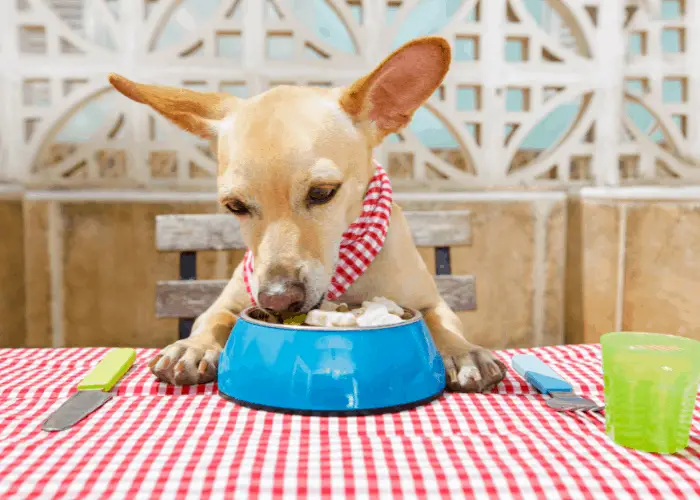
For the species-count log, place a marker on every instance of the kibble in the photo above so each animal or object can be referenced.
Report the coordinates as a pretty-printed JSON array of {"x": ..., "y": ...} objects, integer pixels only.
[
  {"x": 299, "y": 319},
  {"x": 379, "y": 311}
]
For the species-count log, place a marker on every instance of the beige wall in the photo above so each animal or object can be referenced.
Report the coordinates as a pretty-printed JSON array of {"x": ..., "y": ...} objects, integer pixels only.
[
  {"x": 81, "y": 273},
  {"x": 91, "y": 273},
  {"x": 633, "y": 264},
  {"x": 518, "y": 258},
  {"x": 12, "y": 284}
]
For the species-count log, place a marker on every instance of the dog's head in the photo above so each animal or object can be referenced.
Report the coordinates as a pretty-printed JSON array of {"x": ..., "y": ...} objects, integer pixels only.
[{"x": 294, "y": 162}]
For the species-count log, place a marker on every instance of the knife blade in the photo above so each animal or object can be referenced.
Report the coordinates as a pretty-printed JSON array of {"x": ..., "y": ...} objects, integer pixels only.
[
  {"x": 549, "y": 382},
  {"x": 93, "y": 391}
]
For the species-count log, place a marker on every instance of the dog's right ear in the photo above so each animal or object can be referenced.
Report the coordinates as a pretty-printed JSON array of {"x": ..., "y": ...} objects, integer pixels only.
[{"x": 195, "y": 112}]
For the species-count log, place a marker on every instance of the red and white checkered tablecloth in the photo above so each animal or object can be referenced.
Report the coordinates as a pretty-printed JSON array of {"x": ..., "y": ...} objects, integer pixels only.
[{"x": 154, "y": 440}]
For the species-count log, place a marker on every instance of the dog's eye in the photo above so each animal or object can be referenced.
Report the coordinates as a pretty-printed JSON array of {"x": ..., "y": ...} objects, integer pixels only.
[
  {"x": 237, "y": 208},
  {"x": 319, "y": 195}
]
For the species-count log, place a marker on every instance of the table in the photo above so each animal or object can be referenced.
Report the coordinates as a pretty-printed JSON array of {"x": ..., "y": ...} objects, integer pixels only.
[{"x": 155, "y": 440}]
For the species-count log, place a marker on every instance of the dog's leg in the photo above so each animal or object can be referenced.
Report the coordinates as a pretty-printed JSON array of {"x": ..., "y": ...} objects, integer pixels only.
[
  {"x": 469, "y": 368},
  {"x": 194, "y": 360}
]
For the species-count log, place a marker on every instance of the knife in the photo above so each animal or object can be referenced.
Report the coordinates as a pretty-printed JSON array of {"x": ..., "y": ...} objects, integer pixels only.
[
  {"x": 549, "y": 382},
  {"x": 93, "y": 390}
]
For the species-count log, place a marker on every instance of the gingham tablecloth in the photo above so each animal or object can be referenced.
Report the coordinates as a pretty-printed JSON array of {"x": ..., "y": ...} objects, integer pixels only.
[{"x": 154, "y": 440}]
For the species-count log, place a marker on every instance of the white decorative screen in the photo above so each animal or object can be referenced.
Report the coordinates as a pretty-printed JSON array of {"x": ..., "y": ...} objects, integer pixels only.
[{"x": 541, "y": 92}]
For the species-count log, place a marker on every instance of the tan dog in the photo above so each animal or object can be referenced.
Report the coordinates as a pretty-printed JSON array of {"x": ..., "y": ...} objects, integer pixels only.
[{"x": 294, "y": 164}]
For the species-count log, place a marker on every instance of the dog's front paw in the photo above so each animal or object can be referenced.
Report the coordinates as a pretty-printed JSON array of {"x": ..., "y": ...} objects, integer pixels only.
[
  {"x": 186, "y": 363},
  {"x": 477, "y": 371}
]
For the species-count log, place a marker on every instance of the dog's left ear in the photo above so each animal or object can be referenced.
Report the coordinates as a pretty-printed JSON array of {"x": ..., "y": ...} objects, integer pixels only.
[
  {"x": 197, "y": 112},
  {"x": 390, "y": 94}
]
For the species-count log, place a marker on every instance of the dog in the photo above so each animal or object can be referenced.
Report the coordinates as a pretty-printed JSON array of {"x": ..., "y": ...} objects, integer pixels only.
[{"x": 294, "y": 164}]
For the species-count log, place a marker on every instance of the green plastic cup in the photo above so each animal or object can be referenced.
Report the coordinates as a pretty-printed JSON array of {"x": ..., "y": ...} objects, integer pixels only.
[{"x": 651, "y": 381}]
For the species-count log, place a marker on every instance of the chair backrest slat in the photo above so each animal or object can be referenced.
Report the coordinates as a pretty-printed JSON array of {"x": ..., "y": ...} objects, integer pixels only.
[
  {"x": 189, "y": 298},
  {"x": 192, "y": 233}
]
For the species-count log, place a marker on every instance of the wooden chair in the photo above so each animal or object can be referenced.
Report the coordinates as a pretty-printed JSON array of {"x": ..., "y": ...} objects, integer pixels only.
[{"x": 188, "y": 297}]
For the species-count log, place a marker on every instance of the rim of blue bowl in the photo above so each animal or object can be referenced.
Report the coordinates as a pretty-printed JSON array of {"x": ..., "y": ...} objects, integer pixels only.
[{"x": 417, "y": 317}]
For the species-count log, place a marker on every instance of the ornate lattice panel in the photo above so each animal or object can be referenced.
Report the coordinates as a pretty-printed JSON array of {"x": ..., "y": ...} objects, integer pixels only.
[{"x": 541, "y": 92}]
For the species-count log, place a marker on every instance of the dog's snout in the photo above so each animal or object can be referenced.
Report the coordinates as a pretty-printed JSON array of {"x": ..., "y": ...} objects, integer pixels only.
[{"x": 281, "y": 294}]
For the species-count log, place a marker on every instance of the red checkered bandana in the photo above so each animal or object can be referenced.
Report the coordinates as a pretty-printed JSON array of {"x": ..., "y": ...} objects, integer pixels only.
[{"x": 360, "y": 244}]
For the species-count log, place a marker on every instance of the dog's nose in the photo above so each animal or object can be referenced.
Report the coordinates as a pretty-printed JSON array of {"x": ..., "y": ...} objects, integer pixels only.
[{"x": 282, "y": 295}]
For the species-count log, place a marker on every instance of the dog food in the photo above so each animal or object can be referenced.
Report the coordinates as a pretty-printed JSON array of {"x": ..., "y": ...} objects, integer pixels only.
[{"x": 379, "y": 311}]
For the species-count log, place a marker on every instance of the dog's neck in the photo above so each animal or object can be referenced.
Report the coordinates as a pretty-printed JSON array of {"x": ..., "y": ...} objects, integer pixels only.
[{"x": 361, "y": 242}]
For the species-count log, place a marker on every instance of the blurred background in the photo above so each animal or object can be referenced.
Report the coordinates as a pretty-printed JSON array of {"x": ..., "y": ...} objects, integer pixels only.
[{"x": 569, "y": 129}]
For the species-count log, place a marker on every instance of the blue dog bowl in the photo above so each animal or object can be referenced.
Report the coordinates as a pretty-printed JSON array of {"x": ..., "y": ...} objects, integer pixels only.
[{"x": 330, "y": 371}]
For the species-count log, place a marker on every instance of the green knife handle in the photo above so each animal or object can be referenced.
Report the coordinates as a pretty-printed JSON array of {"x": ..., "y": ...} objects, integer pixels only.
[{"x": 109, "y": 370}]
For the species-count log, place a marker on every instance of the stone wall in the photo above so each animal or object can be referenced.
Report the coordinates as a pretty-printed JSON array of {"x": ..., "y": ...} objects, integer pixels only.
[
  {"x": 633, "y": 262},
  {"x": 80, "y": 269},
  {"x": 12, "y": 271}
]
